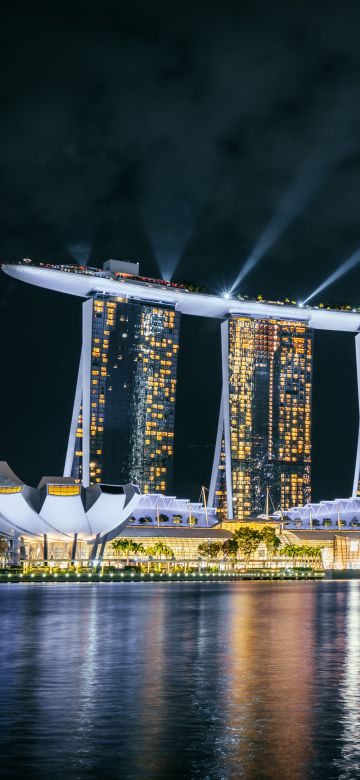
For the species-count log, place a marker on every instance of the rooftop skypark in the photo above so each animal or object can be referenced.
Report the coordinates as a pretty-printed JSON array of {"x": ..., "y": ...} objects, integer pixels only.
[{"x": 189, "y": 298}]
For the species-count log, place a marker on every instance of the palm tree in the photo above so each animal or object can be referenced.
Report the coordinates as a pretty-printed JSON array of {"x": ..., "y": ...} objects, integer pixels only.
[
  {"x": 160, "y": 548},
  {"x": 120, "y": 546},
  {"x": 354, "y": 522},
  {"x": 302, "y": 553},
  {"x": 127, "y": 546},
  {"x": 145, "y": 520},
  {"x": 137, "y": 548},
  {"x": 327, "y": 522},
  {"x": 289, "y": 550}
]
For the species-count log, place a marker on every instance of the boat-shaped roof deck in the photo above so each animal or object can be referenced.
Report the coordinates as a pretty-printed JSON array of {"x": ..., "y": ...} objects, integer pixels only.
[{"x": 86, "y": 283}]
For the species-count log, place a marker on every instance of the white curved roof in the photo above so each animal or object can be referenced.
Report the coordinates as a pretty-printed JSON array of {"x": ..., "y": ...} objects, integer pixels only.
[
  {"x": 85, "y": 284},
  {"x": 345, "y": 509},
  {"x": 60, "y": 508},
  {"x": 111, "y": 511},
  {"x": 20, "y": 515}
]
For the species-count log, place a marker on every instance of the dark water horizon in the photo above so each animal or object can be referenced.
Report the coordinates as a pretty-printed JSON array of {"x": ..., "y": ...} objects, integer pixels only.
[{"x": 200, "y": 681}]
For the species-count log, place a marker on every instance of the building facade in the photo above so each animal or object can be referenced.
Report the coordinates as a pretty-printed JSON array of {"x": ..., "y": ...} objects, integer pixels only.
[
  {"x": 122, "y": 427},
  {"x": 264, "y": 433}
]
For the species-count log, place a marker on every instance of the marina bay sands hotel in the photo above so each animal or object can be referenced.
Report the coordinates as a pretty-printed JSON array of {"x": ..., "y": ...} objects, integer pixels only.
[{"x": 122, "y": 427}]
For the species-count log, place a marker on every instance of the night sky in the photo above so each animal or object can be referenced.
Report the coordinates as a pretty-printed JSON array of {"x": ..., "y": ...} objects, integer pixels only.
[{"x": 176, "y": 135}]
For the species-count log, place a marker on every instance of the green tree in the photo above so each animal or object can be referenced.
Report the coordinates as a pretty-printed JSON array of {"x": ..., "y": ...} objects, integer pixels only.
[
  {"x": 248, "y": 540},
  {"x": 354, "y": 522},
  {"x": 326, "y": 522},
  {"x": 210, "y": 549},
  {"x": 270, "y": 539},
  {"x": 163, "y": 518},
  {"x": 177, "y": 519},
  {"x": 230, "y": 548}
]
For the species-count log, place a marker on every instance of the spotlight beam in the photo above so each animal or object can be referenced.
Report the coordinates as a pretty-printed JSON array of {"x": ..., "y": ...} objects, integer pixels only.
[
  {"x": 309, "y": 180},
  {"x": 346, "y": 266},
  {"x": 331, "y": 142}
]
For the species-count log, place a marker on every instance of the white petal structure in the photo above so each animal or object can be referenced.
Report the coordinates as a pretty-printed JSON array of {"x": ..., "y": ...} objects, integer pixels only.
[
  {"x": 111, "y": 512},
  {"x": 62, "y": 509}
]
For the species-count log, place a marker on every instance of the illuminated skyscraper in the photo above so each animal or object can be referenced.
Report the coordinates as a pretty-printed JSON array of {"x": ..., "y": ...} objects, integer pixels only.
[
  {"x": 122, "y": 428},
  {"x": 265, "y": 421},
  {"x": 264, "y": 433}
]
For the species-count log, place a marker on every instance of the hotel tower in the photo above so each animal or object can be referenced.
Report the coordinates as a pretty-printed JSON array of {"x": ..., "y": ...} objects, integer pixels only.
[
  {"x": 122, "y": 427},
  {"x": 264, "y": 433},
  {"x": 123, "y": 420}
]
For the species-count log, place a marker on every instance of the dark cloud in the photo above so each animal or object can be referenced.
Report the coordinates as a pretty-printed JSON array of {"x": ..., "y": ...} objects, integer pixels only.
[{"x": 173, "y": 134}]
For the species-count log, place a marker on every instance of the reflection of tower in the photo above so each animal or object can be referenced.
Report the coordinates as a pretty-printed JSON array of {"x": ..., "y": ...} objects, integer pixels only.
[
  {"x": 265, "y": 417},
  {"x": 349, "y": 689},
  {"x": 122, "y": 428},
  {"x": 269, "y": 678}
]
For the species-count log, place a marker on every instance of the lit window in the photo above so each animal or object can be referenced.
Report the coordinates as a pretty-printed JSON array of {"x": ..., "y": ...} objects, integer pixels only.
[{"x": 63, "y": 490}]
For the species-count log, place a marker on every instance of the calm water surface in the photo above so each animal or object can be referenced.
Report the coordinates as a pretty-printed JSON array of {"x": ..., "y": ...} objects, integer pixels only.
[{"x": 164, "y": 680}]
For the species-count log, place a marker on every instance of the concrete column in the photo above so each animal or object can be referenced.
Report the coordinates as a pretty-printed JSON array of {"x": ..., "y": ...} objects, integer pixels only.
[
  {"x": 217, "y": 455},
  {"x": 357, "y": 464},
  {"x": 86, "y": 386},
  {"x": 102, "y": 548},
  {"x": 45, "y": 548},
  {"x": 74, "y": 423},
  {"x": 94, "y": 548},
  {"x": 73, "y": 551},
  {"x": 15, "y": 550}
]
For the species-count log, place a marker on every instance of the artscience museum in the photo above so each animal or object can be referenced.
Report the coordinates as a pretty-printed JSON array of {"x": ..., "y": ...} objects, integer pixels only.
[{"x": 61, "y": 518}]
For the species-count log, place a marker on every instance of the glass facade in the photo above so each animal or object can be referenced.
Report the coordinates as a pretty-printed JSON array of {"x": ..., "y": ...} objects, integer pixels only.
[
  {"x": 131, "y": 391},
  {"x": 77, "y": 463},
  {"x": 267, "y": 366},
  {"x": 220, "y": 486}
]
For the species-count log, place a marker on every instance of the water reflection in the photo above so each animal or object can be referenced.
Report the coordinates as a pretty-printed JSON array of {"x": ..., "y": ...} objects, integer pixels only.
[
  {"x": 349, "y": 692},
  {"x": 209, "y": 681}
]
